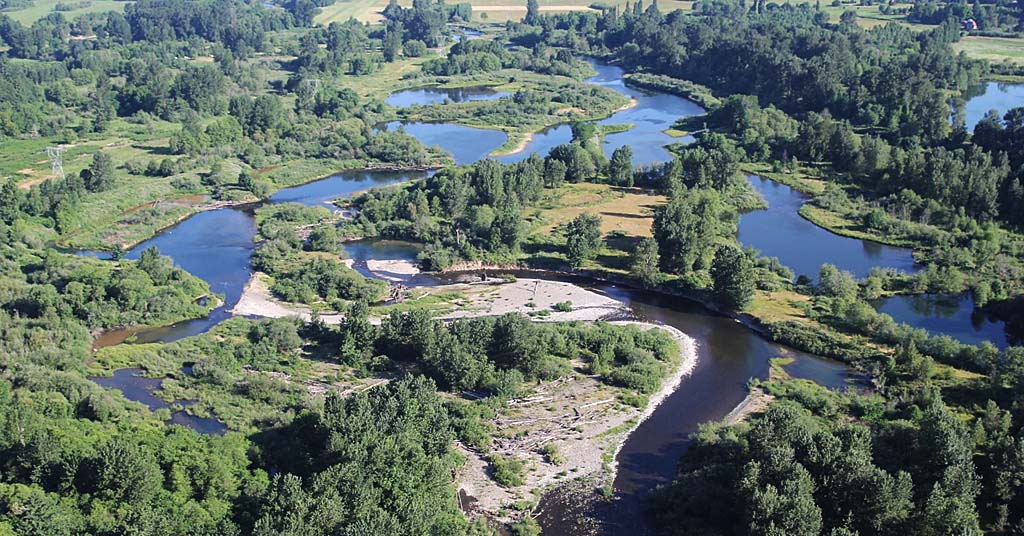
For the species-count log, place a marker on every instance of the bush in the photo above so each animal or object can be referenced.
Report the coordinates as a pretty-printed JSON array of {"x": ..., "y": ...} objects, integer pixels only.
[
  {"x": 554, "y": 457},
  {"x": 415, "y": 48},
  {"x": 507, "y": 472},
  {"x": 563, "y": 307}
]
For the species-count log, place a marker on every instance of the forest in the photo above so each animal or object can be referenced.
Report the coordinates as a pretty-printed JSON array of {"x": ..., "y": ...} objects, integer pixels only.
[{"x": 164, "y": 109}]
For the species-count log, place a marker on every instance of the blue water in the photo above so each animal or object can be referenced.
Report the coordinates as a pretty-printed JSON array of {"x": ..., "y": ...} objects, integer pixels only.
[
  {"x": 541, "y": 143},
  {"x": 134, "y": 386},
  {"x": 344, "y": 184},
  {"x": 953, "y": 315},
  {"x": 996, "y": 96},
  {"x": 437, "y": 95},
  {"x": 466, "y": 144},
  {"x": 652, "y": 115},
  {"x": 781, "y": 232}
]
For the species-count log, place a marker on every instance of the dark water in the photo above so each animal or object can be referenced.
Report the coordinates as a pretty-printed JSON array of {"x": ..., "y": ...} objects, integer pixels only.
[
  {"x": 994, "y": 96},
  {"x": 439, "y": 95},
  {"x": 466, "y": 144},
  {"x": 216, "y": 246},
  {"x": 781, "y": 232},
  {"x": 134, "y": 386},
  {"x": 953, "y": 315}
]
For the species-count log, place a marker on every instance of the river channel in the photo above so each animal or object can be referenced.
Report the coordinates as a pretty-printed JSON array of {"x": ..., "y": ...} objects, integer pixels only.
[{"x": 216, "y": 246}]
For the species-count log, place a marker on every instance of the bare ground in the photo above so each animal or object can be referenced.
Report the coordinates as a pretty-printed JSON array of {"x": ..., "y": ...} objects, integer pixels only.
[{"x": 581, "y": 416}]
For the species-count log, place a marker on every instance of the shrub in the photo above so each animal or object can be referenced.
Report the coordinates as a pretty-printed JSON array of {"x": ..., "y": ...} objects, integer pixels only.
[
  {"x": 507, "y": 472},
  {"x": 554, "y": 457},
  {"x": 563, "y": 307}
]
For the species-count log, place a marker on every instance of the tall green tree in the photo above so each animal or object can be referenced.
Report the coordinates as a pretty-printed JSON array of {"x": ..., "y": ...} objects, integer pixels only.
[
  {"x": 645, "y": 262},
  {"x": 686, "y": 229},
  {"x": 532, "y": 12},
  {"x": 99, "y": 176},
  {"x": 583, "y": 238},
  {"x": 733, "y": 276},
  {"x": 620, "y": 172}
]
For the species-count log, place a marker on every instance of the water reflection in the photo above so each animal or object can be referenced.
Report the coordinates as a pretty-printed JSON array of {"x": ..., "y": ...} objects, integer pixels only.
[
  {"x": 650, "y": 117},
  {"x": 341, "y": 185},
  {"x": 651, "y": 114},
  {"x": 781, "y": 232},
  {"x": 952, "y": 315},
  {"x": 136, "y": 387},
  {"x": 439, "y": 95},
  {"x": 466, "y": 144},
  {"x": 992, "y": 96}
]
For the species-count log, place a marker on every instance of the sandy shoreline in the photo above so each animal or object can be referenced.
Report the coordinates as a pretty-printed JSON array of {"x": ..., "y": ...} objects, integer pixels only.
[
  {"x": 520, "y": 147},
  {"x": 582, "y": 417},
  {"x": 688, "y": 360},
  {"x": 631, "y": 104},
  {"x": 586, "y": 438}
]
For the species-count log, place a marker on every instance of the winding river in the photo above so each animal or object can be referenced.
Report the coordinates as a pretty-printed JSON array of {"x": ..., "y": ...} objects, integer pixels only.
[
  {"x": 781, "y": 232},
  {"x": 216, "y": 246}
]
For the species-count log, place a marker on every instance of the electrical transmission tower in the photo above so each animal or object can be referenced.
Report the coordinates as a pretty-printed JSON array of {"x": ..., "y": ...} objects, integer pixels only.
[{"x": 56, "y": 155}]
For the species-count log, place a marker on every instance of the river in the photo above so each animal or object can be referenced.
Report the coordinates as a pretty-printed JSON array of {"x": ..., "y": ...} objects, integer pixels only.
[
  {"x": 781, "y": 232},
  {"x": 216, "y": 246}
]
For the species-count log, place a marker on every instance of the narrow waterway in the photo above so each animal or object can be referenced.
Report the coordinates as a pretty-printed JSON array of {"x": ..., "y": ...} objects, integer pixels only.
[
  {"x": 781, "y": 232},
  {"x": 134, "y": 386},
  {"x": 216, "y": 246},
  {"x": 729, "y": 355}
]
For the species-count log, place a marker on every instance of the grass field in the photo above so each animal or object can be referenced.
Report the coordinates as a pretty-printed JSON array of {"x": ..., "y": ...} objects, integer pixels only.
[
  {"x": 42, "y": 8},
  {"x": 626, "y": 217},
  {"x": 483, "y": 10},
  {"x": 993, "y": 49},
  {"x": 627, "y": 210}
]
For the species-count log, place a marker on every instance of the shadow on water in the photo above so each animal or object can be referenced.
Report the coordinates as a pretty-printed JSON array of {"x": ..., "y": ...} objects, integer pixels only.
[
  {"x": 466, "y": 144},
  {"x": 953, "y": 315},
  {"x": 729, "y": 355},
  {"x": 216, "y": 246},
  {"x": 992, "y": 96},
  {"x": 439, "y": 95}
]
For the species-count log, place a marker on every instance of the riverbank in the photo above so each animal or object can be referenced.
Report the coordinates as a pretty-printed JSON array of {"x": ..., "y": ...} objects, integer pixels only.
[
  {"x": 828, "y": 220},
  {"x": 579, "y": 419},
  {"x": 294, "y": 174}
]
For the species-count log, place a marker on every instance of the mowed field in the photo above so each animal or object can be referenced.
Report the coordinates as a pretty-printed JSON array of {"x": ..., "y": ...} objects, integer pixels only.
[
  {"x": 42, "y": 8},
  {"x": 483, "y": 10},
  {"x": 993, "y": 49}
]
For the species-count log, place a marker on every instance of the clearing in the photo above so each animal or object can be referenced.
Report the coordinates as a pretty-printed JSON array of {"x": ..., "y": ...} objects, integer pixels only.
[{"x": 993, "y": 49}]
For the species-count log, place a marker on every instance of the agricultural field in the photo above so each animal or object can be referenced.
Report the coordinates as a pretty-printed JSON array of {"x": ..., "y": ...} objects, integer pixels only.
[
  {"x": 993, "y": 49},
  {"x": 483, "y": 10},
  {"x": 70, "y": 9}
]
